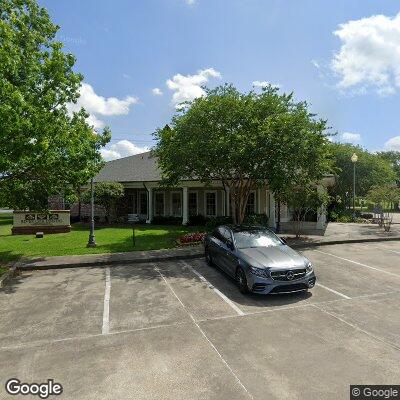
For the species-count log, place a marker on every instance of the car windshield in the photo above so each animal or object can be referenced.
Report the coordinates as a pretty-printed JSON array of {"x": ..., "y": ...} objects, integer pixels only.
[{"x": 256, "y": 238}]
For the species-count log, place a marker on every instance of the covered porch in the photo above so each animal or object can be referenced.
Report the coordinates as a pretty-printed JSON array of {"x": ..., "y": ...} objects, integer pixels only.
[{"x": 149, "y": 201}]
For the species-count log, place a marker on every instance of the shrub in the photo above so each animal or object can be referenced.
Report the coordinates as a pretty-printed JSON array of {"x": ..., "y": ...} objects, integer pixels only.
[
  {"x": 192, "y": 237},
  {"x": 256, "y": 219},
  {"x": 197, "y": 220},
  {"x": 213, "y": 222},
  {"x": 166, "y": 220}
]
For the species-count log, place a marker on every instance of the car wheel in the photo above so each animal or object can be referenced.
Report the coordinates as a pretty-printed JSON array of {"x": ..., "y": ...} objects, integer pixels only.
[
  {"x": 242, "y": 281},
  {"x": 208, "y": 256}
]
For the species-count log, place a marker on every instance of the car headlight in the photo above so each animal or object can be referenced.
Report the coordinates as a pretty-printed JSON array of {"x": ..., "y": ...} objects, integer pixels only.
[
  {"x": 259, "y": 272},
  {"x": 309, "y": 268}
]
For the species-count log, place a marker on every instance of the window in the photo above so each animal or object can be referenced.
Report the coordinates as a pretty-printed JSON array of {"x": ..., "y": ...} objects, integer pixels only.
[
  {"x": 158, "y": 203},
  {"x": 251, "y": 204},
  {"x": 225, "y": 234},
  {"x": 256, "y": 238},
  {"x": 211, "y": 204},
  {"x": 143, "y": 202},
  {"x": 192, "y": 203},
  {"x": 176, "y": 204}
]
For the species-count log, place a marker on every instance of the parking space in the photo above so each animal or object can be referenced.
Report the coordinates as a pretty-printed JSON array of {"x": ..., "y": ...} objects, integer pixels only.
[{"x": 179, "y": 330}]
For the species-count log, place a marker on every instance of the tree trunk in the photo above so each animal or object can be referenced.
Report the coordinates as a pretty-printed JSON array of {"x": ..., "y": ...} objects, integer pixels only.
[{"x": 278, "y": 222}]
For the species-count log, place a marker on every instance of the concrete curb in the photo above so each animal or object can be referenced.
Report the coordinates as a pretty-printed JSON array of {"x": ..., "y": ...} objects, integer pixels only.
[
  {"x": 26, "y": 266},
  {"x": 12, "y": 271},
  {"x": 32, "y": 267}
]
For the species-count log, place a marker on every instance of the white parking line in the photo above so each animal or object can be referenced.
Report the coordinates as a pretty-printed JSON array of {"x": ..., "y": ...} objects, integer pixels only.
[
  {"x": 333, "y": 291},
  {"x": 358, "y": 263},
  {"x": 220, "y": 294},
  {"x": 106, "y": 311},
  {"x": 204, "y": 335}
]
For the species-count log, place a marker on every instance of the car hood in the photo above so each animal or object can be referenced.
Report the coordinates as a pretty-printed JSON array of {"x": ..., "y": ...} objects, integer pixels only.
[{"x": 277, "y": 257}]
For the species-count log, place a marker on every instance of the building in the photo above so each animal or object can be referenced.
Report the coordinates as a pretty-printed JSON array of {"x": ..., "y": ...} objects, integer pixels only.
[{"x": 141, "y": 178}]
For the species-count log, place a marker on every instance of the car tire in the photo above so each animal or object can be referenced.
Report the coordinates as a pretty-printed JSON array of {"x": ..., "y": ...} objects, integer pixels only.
[
  {"x": 208, "y": 256},
  {"x": 242, "y": 281}
]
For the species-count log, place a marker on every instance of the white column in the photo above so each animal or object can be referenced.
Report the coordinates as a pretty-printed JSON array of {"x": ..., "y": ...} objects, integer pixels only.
[
  {"x": 149, "y": 205},
  {"x": 271, "y": 219},
  {"x": 258, "y": 208},
  {"x": 227, "y": 202},
  {"x": 185, "y": 206}
]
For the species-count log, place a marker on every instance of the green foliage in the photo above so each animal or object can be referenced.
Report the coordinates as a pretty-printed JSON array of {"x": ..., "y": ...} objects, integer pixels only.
[
  {"x": 256, "y": 220},
  {"x": 243, "y": 140},
  {"x": 105, "y": 194},
  {"x": 44, "y": 149},
  {"x": 213, "y": 222},
  {"x": 303, "y": 199},
  {"x": 166, "y": 220},
  {"x": 384, "y": 194},
  {"x": 371, "y": 170},
  {"x": 393, "y": 157}
]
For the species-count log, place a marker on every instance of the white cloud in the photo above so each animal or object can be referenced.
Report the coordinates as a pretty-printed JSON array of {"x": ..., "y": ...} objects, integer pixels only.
[
  {"x": 350, "y": 137},
  {"x": 188, "y": 87},
  {"x": 157, "y": 91},
  {"x": 190, "y": 2},
  {"x": 370, "y": 54},
  {"x": 316, "y": 64},
  {"x": 123, "y": 148},
  {"x": 265, "y": 83},
  {"x": 393, "y": 144},
  {"x": 99, "y": 105}
]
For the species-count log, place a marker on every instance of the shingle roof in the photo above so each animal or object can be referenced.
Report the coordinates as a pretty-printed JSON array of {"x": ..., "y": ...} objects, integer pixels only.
[{"x": 138, "y": 168}]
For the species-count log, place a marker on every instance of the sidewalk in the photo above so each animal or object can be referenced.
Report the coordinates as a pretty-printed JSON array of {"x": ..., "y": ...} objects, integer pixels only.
[{"x": 336, "y": 233}]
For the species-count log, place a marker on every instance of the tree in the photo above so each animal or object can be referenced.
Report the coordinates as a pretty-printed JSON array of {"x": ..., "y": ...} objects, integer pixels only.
[
  {"x": 44, "y": 149},
  {"x": 393, "y": 158},
  {"x": 244, "y": 140},
  {"x": 105, "y": 194},
  {"x": 371, "y": 170},
  {"x": 303, "y": 199}
]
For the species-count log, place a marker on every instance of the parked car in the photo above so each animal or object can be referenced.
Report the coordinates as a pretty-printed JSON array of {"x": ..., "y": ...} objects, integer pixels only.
[{"x": 258, "y": 260}]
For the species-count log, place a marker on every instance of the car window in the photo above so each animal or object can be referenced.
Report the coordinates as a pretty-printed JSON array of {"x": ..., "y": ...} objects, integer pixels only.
[
  {"x": 256, "y": 238},
  {"x": 225, "y": 234}
]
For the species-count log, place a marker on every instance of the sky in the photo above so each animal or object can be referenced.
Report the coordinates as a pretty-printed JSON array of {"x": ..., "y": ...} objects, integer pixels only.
[{"x": 140, "y": 58}]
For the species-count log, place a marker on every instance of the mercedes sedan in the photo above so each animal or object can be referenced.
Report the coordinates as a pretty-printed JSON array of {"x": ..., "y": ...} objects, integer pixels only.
[{"x": 258, "y": 260}]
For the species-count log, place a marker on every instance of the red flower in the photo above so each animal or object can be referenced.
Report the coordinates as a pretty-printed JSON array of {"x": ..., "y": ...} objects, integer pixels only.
[{"x": 192, "y": 237}]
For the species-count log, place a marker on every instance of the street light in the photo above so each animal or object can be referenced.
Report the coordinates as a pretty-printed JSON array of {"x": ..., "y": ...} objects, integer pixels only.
[
  {"x": 354, "y": 159},
  {"x": 92, "y": 240}
]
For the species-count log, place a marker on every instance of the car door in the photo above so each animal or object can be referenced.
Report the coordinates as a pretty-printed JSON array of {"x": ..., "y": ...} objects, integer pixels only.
[
  {"x": 227, "y": 257},
  {"x": 215, "y": 247}
]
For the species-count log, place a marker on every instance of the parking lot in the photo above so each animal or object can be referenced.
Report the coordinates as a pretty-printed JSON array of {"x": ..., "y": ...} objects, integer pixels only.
[{"x": 182, "y": 330}]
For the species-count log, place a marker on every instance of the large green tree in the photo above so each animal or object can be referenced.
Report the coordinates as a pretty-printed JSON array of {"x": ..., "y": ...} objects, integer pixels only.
[
  {"x": 44, "y": 149},
  {"x": 393, "y": 157},
  {"x": 244, "y": 140},
  {"x": 371, "y": 170}
]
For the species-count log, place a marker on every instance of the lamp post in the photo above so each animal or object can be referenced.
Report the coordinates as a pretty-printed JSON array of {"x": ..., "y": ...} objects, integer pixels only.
[
  {"x": 92, "y": 240},
  {"x": 354, "y": 159}
]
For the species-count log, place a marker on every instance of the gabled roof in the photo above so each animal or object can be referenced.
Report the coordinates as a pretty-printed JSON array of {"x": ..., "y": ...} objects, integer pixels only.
[{"x": 138, "y": 168}]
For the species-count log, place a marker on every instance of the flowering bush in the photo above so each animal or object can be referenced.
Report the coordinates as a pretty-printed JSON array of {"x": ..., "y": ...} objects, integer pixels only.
[{"x": 192, "y": 237}]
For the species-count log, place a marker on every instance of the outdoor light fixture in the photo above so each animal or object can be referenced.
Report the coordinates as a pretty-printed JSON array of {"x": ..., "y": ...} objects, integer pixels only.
[{"x": 354, "y": 159}]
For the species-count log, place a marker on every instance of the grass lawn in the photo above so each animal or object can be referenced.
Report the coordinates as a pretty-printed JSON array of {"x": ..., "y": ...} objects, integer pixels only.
[{"x": 108, "y": 239}]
